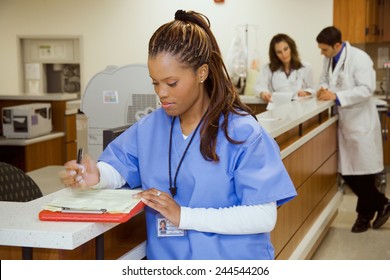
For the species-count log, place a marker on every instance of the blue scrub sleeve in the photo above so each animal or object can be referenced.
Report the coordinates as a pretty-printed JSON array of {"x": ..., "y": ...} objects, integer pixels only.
[
  {"x": 122, "y": 154},
  {"x": 260, "y": 176}
]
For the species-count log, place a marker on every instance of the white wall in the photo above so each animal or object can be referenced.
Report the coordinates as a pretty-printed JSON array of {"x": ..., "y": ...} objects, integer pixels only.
[{"x": 116, "y": 32}]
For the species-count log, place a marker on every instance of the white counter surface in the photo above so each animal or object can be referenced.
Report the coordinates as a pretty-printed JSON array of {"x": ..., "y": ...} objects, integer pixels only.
[
  {"x": 20, "y": 226},
  {"x": 41, "y": 97},
  {"x": 4, "y": 141},
  {"x": 251, "y": 99},
  {"x": 47, "y": 178},
  {"x": 289, "y": 115}
]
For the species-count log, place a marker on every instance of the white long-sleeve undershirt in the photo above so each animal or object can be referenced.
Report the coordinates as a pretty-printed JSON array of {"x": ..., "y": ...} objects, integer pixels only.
[{"x": 240, "y": 219}]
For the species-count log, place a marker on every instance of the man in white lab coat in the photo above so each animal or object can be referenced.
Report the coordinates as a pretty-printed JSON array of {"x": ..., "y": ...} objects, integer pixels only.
[{"x": 348, "y": 78}]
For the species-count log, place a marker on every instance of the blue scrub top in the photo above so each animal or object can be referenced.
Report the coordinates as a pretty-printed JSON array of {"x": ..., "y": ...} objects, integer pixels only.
[{"x": 250, "y": 173}]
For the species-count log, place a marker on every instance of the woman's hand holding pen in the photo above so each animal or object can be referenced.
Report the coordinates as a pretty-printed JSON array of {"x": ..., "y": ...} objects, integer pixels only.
[
  {"x": 81, "y": 175},
  {"x": 163, "y": 203}
]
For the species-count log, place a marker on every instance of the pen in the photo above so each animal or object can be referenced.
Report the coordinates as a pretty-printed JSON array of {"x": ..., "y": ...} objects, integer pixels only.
[
  {"x": 80, "y": 155},
  {"x": 83, "y": 211}
]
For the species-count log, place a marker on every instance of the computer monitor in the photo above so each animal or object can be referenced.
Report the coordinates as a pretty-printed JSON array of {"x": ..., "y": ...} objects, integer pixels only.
[{"x": 112, "y": 133}]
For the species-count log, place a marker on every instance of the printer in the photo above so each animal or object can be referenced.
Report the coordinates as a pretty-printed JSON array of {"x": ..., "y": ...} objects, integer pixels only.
[{"x": 27, "y": 120}]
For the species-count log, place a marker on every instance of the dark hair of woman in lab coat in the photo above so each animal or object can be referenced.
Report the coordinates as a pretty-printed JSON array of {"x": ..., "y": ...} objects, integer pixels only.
[
  {"x": 275, "y": 63},
  {"x": 191, "y": 41}
]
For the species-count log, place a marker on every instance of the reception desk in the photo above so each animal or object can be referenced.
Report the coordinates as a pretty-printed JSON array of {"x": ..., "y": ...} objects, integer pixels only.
[{"x": 306, "y": 133}]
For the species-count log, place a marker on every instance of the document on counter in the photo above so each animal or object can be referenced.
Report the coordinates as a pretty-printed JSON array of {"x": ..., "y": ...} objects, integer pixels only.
[
  {"x": 98, "y": 205},
  {"x": 279, "y": 98}
]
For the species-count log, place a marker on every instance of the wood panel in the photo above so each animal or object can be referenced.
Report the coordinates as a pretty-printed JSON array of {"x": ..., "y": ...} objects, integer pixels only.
[
  {"x": 296, "y": 217},
  {"x": 70, "y": 127},
  {"x": 385, "y": 21},
  {"x": 71, "y": 137},
  {"x": 297, "y": 237},
  {"x": 34, "y": 156},
  {"x": 257, "y": 108},
  {"x": 361, "y": 21},
  {"x": 350, "y": 17},
  {"x": 45, "y": 153},
  {"x": 313, "y": 170},
  {"x": 304, "y": 161},
  {"x": 288, "y": 137}
]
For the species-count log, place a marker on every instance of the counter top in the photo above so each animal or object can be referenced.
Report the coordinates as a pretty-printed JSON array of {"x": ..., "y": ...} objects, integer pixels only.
[
  {"x": 20, "y": 226},
  {"x": 289, "y": 115},
  {"x": 4, "y": 141},
  {"x": 251, "y": 99},
  {"x": 41, "y": 97},
  {"x": 47, "y": 178}
]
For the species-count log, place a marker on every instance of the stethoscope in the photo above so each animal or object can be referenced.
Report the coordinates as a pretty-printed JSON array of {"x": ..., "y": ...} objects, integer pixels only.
[{"x": 340, "y": 75}]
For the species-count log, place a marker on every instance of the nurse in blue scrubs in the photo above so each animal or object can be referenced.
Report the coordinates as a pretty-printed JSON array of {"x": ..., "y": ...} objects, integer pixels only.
[{"x": 207, "y": 168}]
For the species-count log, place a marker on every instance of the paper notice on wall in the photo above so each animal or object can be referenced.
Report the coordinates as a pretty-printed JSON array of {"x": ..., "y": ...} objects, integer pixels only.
[
  {"x": 33, "y": 71},
  {"x": 383, "y": 56}
]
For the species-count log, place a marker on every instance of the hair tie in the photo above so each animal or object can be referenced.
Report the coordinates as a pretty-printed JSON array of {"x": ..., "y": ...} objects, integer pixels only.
[{"x": 182, "y": 15}]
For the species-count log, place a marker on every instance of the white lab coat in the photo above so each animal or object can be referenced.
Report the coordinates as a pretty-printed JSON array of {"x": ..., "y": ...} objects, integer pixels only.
[
  {"x": 359, "y": 131},
  {"x": 301, "y": 79}
]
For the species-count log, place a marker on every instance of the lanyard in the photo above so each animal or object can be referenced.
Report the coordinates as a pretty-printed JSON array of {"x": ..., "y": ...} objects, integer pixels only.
[{"x": 173, "y": 188}]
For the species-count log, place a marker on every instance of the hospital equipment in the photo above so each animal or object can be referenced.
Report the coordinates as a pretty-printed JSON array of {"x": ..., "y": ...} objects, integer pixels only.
[
  {"x": 116, "y": 96},
  {"x": 27, "y": 120}
]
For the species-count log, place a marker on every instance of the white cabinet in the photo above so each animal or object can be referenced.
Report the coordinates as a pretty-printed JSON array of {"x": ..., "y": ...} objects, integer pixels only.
[
  {"x": 50, "y": 65},
  {"x": 51, "y": 50}
]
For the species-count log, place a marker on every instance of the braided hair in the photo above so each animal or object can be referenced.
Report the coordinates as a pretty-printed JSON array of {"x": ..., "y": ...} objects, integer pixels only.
[{"x": 189, "y": 38}]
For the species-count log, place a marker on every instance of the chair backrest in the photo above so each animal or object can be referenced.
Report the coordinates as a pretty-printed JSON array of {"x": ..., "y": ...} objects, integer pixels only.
[{"x": 16, "y": 185}]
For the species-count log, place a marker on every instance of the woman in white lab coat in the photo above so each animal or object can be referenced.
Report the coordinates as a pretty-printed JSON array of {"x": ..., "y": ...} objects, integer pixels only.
[
  {"x": 348, "y": 78},
  {"x": 285, "y": 77}
]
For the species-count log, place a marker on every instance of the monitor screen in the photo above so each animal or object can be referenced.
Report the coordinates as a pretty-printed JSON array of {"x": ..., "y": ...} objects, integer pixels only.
[{"x": 112, "y": 133}]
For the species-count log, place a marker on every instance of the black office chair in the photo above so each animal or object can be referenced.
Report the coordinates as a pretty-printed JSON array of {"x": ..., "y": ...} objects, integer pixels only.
[{"x": 16, "y": 185}]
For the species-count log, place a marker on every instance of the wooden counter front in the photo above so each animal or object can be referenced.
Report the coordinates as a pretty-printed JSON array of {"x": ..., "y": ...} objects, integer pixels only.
[{"x": 306, "y": 132}]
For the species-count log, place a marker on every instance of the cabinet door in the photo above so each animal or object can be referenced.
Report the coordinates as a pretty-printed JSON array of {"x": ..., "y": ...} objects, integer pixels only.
[
  {"x": 350, "y": 17},
  {"x": 358, "y": 20},
  {"x": 372, "y": 21},
  {"x": 384, "y": 15}
]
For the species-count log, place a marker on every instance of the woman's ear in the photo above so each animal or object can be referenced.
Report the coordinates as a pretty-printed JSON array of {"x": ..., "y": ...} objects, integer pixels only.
[{"x": 203, "y": 73}]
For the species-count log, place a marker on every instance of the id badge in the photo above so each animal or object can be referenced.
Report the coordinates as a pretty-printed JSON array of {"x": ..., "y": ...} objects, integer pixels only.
[{"x": 165, "y": 228}]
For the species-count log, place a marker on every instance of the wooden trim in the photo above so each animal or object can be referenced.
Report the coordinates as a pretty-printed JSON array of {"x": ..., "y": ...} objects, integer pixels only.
[{"x": 296, "y": 217}]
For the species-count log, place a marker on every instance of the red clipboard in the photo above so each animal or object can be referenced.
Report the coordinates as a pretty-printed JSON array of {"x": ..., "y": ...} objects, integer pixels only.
[{"x": 46, "y": 215}]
